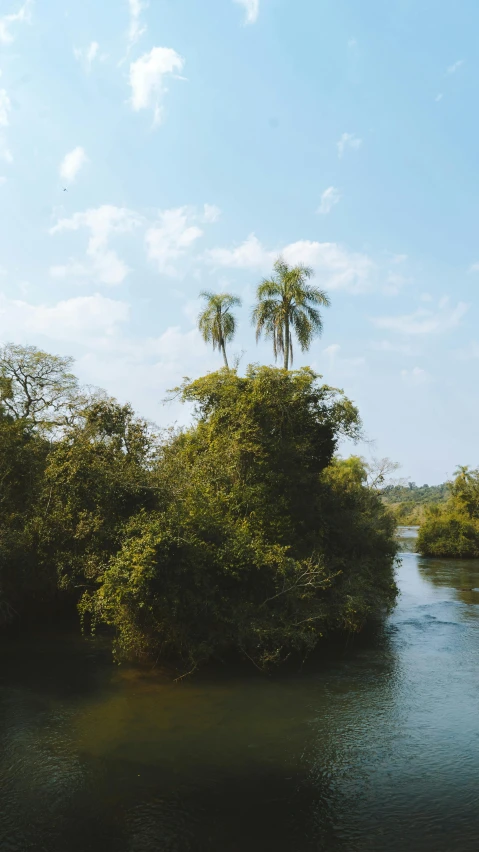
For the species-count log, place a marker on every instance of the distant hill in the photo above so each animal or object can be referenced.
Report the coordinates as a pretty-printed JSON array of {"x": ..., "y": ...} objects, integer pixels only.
[{"x": 409, "y": 501}]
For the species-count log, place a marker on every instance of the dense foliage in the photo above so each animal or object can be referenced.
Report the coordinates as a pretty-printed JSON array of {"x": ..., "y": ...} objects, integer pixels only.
[
  {"x": 241, "y": 533},
  {"x": 410, "y": 502},
  {"x": 453, "y": 528}
]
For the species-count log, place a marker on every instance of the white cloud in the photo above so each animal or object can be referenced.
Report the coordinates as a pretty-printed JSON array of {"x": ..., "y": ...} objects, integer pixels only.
[
  {"x": 399, "y": 258},
  {"x": 251, "y": 8},
  {"x": 73, "y": 269},
  {"x": 249, "y": 255},
  {"x": 416, "y": 376},
  {"x": 136, "y": 28},
  {"x": 22, "y": 16},
  {"x": 211, "y": 213},
  {"x": 474, "y": 267},
  {"x": 72, "y": 163},
  {"x": 5, "y": 107},
  {"x": 147, "y": 78},
  {"x": 332, "y": 351},
  {"x": 348, "y": 140},
  {"x": 102, "y": 222},
  {"x": 455, "y": 67},
  {"x": 439, "y": 97},
  {"x": 171, "y": 236},
  {"x": 329, "y": 198},
  {"x": 387, "y": 346},
  {"x": 338, "y": 268},
  {"x": 352, "y": 42},
  {"x": 424, "y": 321},
  {"x": 2, "y": 180},
  {"x": 97, "y": 331},
  {"x": 73, "y": 320},
  {"x": 89, "y": 54}
]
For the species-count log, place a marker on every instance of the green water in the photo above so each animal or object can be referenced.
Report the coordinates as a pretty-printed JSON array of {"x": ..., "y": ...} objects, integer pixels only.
[{"x": 375, "y": 748}]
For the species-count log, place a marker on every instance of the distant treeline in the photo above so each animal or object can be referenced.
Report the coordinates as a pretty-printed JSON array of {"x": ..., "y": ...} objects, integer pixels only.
[{"x": 409, "y": 502}]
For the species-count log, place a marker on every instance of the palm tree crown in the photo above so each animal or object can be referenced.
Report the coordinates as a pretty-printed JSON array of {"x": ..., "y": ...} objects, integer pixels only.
[
  {"x": 216, "y": 322},
  {"x": 286, "y": 303}
]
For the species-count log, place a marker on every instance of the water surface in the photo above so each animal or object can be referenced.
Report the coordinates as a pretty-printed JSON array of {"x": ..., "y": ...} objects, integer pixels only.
[{"x": 374, "y": 748}]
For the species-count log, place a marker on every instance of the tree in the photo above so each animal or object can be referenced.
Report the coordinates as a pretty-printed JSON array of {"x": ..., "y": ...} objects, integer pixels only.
[
  {"x": 260, "y": 543},
  {"x": 36, "y": 387},
  {"x": 286, "y": 303},
  {"x": 216, "y": 322},
  {"x": 97, "y": 476},
  {"x": 452, "y": 529}
]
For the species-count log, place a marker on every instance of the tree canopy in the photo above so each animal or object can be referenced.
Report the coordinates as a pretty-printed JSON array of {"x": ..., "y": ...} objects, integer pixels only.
[
  {"x": 241, "y": 534},
  {"x": 452, "y": 528},
  {"x": 216, "y": 322},
  {"x": 286, "y": 302},
  {"x": 36, "y": 387}
]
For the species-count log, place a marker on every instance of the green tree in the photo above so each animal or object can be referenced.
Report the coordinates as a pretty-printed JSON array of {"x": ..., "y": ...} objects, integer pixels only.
[
  {"x": 260, "y": 543},
  {"x": 452, "y": 529},
  {"x": 97, "y": 476},
  {"x": 38, "y": 388},
  {"x": 216, "y": 322},
  {"x": 287, "y": 303}
]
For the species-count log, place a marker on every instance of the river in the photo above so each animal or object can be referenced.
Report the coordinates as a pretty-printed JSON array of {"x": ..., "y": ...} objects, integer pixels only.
[{"x": 375, "y": 748}]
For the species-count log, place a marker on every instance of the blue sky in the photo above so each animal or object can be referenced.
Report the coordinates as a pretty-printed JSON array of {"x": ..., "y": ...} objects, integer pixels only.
[{"x": 197, "y": 141}]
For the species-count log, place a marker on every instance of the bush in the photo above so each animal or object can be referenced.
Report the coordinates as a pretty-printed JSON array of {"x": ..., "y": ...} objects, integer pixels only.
[
  {"x": 453, "y": 530},
  {"x": 262, "y": 543},
  {"x": 450, "y": 535}
]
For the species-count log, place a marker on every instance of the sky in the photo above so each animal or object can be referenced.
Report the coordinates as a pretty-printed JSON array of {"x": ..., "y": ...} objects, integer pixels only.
[{"x": 150, "y": 151}]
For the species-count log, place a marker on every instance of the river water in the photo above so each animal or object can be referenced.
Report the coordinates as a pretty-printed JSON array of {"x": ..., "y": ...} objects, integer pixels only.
[{"x": 374, "y": 748}]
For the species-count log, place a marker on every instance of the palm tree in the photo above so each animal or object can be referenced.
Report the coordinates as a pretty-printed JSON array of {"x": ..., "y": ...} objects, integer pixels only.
[
  {"x": 287, "y": 303},
  {"x": 216, "y": 322}
]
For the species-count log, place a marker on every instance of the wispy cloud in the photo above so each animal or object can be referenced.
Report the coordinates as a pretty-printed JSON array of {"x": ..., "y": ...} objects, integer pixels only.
[
  {"x": 23, "y": 16},
  {"x": 439, "y": 97},
  {"x": 251, "y": 8},
  {"x": 211, "y": 213},
  {"x": 474, "y": 267},
  {"x": 103, "y": 222},
  {"x": 329, "y": 198},
  {"x": 416, "y": 376},
  {"x": 424, "y": 321},
  {"x": 455, "y": 67},
  {"x": 89, "y": 54},
  {"x": 72, "y": 163},
  {"x": 136, "y": 28},
  {"x": 147, "y": 78},
  {"x": 175, "y": 232},
  {"x": 5, "y": 107},
  {"x": 348, "y": 140},
  {"x": 339, "y": 268}
]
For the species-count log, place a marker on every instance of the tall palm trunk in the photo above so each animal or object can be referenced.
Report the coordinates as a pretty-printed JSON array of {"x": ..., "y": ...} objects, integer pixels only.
[
  {"x": 223, "y": 349},
  {"x": 287, "y": 344}
]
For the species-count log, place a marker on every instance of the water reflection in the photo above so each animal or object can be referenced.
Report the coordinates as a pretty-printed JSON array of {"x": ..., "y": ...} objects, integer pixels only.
[{"x": 375, "y": 747}]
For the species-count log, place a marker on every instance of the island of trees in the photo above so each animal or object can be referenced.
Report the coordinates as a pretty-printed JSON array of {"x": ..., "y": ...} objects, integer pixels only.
[
  {"x": 451, "y": 529},
  {"x": 243, "y": 533}
]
